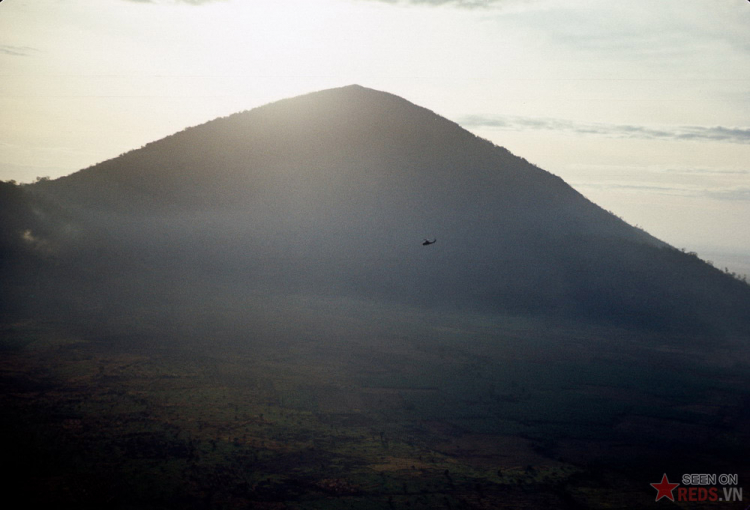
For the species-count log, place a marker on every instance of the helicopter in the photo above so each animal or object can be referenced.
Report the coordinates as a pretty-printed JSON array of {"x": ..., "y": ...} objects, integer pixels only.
[{"x": 427, "y": 242}]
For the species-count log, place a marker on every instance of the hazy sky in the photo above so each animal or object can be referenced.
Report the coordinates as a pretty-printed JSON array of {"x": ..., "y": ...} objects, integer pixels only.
[{"x": 641, "y": 105}]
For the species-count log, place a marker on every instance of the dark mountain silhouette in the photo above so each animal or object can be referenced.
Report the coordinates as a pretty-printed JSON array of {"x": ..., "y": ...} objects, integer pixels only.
[{"x": 332, "y": 193}]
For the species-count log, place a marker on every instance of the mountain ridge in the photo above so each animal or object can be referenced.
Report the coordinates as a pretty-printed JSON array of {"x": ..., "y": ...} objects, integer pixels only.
[
  {"x": 333, "y": 192},
  {"x": 267, "y": 137}
]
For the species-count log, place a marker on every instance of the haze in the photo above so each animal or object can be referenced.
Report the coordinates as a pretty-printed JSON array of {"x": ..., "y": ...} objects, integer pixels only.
[
  {"x": 241, "y": 313},
  {"x": 641, "y": 106}
]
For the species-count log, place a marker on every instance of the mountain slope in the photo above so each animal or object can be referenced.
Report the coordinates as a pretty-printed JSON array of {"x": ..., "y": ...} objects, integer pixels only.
[
  {"x": 332, "y": 192},
  {"x": 369, "y": 151}
]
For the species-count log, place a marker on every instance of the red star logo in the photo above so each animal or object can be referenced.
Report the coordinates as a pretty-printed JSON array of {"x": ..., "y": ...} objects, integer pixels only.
[{"x": 664, "y": 488}]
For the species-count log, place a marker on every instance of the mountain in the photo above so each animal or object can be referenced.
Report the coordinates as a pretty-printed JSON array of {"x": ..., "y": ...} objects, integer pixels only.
[{"x": 332, "y": 193}]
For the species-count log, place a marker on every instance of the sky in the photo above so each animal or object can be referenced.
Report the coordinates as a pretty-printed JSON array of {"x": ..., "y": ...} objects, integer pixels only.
[{"x": 643, "y": 106}]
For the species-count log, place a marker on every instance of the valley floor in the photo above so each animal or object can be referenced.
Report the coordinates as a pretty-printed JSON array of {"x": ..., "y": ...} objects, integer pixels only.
[{"x": 361, "y": 406}]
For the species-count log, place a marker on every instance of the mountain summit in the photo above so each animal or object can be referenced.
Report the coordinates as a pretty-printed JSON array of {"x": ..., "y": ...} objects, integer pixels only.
[{"x": 333, "y": 192}]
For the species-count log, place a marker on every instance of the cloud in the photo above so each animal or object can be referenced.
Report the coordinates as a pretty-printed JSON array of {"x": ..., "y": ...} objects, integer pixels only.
[
  {"x": 465, "y": 4},
  {"x": 17, "y": 51},
  {"x": 658, "y": 189},
  {"x": 739, "y": 193},
  {"x": 727, "y": 193},
  {"x": 674, "y": 133},
  {"x": 189, "y": 2},
  {"x": 708, "y": 171}
]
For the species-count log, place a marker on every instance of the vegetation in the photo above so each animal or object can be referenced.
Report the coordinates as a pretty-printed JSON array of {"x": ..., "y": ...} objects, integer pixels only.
[
  {"x": 519, "y": 417},
  {"x": 242, "y": 315}
]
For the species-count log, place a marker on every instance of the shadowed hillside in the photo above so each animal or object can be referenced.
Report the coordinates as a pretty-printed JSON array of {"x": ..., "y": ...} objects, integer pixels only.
[
  {"x": 332, "y": 193},
  {"x": 243, "y": 315}
]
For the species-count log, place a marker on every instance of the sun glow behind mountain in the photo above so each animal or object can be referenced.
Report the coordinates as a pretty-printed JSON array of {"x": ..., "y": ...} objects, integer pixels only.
[
  {"x": 273, "y": 38},
  {"x": 599, "y": 93}
]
